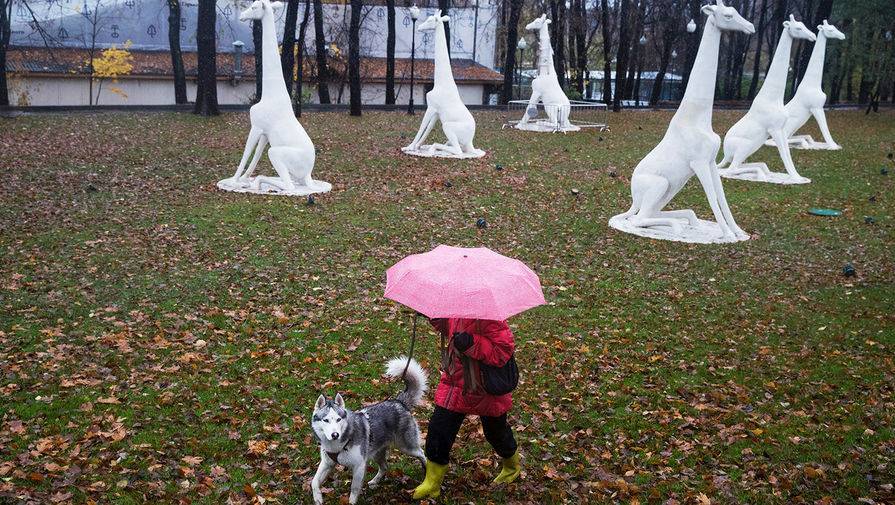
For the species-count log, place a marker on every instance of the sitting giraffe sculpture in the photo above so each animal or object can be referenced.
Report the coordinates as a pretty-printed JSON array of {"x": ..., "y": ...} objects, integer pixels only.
[
  {"x": 766, "y": 116},
  {"x": 810, "y": 98},
  {"x": 444, "y": 104},
  {"x": 545, "y": 87},
  {"x": 291, "y": 151},
  {"x": 689, "y": 147}
]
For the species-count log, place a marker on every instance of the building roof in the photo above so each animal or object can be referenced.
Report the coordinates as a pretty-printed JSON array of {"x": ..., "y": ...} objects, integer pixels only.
[{"x": 157, "y": 64}]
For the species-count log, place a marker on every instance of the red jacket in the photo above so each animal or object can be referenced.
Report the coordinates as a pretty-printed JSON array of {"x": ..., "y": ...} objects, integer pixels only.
[{"x": 493, "y": 345}]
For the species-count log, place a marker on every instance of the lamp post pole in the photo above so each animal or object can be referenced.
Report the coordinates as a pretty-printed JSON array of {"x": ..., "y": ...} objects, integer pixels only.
[
  {"x": 521, "y": 45},
  {"x": 642, "y": 43},
  {"x": 414, "y": 15},
  {"x": 673, "y": 74}
]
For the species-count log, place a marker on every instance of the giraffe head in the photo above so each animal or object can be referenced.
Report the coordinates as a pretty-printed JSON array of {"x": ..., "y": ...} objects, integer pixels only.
[
  {"x": 797, "y": 29},
  {"x": 537, "y": 24},
  {"x": 258, "y": 8},
  {"x": 432, "y": 22},
  {"x": 727, "y": 18},
  {"x": 830, "y": 31}
]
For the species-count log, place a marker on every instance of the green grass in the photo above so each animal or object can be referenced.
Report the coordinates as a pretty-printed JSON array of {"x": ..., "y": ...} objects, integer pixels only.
[{"x": 751, "y": 372}]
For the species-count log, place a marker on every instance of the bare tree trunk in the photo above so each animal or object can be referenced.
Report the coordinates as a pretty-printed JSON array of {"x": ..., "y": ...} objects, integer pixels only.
[
  {"x": 320, "y": 43},
  {"x": 500, "y": 35},
  {"x": 634, "y": 62},
  {"x": 776, "y": 30},
  {"x": 558, "y": 39},
  {"x": 849, "y": 83},
  {"x": 759, "y": 41},
  {"x": 257, "y": 36},
  {"x": 509, "y": 65},
  {"x": 692, "y": 43},
  {"x": 207, "y": 93},
  {"x": 302, "y": 32},
  {"x": 637, "y": 81},
  {"x": 176, "y": 54},
  {"x": 841, "y": 68},
  {"x": 287, "y": 56},
  {"x": 445, "y": 7},
  {"x": 390, "y": 54},
  {"x": 631, "y": 73},
  {"x": 864, "y": 87},
  {"x": 621, "y": 64},
  {"x": 5, "y": 32},
  {"x": 607, "y": 53},
  {"x": 354, "y": 58},
  {"x": 668, "y": 37},
  {"x": 572, "y": 15},
  {"x": 740, "y": 56},
  {"x": 823, "y": 11},
  {"x": 581, "y": 44}
]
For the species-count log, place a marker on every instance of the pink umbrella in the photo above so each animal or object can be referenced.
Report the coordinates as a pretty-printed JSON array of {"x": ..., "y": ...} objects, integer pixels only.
[{"x": 456, "y": 282}]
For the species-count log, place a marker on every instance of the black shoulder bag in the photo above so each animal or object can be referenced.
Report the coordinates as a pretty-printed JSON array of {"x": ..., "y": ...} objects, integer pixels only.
[{"x": 500, "y": 380}]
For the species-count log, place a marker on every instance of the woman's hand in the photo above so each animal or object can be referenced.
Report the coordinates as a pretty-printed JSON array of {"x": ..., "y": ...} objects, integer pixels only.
[{"x": 462, "y": 341}]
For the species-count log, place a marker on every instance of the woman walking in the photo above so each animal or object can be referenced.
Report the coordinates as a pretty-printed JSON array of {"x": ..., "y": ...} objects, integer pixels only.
[{"x": 476, "y": 357}]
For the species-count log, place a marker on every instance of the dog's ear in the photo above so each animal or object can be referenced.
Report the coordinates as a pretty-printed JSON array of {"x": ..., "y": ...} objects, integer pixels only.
[
  {"x": 339, "y": 401},
  {"x": 321, "y": 401}
]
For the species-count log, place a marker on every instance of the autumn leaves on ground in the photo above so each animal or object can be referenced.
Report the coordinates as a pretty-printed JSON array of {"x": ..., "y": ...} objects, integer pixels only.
[{"x": 162, "y": 341}]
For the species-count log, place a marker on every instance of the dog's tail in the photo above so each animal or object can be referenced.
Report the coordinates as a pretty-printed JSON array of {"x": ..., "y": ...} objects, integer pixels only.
[{"x": 414, "y": 380}]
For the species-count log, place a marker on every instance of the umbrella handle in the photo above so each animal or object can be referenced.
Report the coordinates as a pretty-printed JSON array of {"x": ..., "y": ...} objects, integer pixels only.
[{"x": 412, "y": 343}]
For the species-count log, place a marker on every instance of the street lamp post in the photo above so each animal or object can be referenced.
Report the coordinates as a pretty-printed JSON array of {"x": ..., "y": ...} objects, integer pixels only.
[
  {"x": 673, "y": 61},
  {"x": 642, "y": 43},
  {"x": 522, "y": 45},
  {"x": 237, "y": 60},
  {"x": 414, "y": 15}
]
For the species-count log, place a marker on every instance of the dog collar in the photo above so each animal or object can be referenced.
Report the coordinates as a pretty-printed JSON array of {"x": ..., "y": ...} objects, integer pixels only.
[{"x": 334, "y": 456}]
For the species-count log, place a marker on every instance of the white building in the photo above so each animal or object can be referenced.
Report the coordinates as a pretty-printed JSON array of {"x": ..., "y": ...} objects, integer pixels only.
[
  {"x": 47, "y": 61},
  {"x": 41, "y": 77}
]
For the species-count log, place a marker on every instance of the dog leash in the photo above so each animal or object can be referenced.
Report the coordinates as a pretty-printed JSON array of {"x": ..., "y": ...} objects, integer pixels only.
[{"x": 412, "y": 343}]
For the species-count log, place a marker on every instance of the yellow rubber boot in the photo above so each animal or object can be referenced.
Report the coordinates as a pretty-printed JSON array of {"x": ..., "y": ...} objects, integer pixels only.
[
  {"x": 431, "y": 486},
  {"x": 510, "y": 468}
]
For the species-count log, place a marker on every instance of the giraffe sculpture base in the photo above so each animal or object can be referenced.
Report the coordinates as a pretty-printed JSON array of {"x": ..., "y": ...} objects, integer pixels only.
[
  {"x": 438, "y": 151},
  {"x": 700, "y": 232},
  {"x": 806, "y": 142},
  {"x": 758, "y": 172},
  {"x": 545, "y": 125},
  {"x": 272, "y": 186}
]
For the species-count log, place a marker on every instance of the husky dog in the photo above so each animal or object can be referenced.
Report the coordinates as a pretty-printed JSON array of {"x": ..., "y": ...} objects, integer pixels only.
[{"x": 354, "y": 438}]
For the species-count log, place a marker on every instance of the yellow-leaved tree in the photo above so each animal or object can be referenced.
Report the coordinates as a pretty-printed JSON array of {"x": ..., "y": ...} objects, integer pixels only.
[{"x": 112, "y": 64}]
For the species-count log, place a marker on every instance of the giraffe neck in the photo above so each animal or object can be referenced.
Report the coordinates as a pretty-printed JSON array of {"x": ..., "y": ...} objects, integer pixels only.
[
  {"x": 774, "y": 85},
  {"x": 545, "y": 51},
  {"x": 701, "y": 86},
  {"x": 815, "y": 71},
  {"x": 443, "y": 74},
  {"x": 272, "y": 71}
]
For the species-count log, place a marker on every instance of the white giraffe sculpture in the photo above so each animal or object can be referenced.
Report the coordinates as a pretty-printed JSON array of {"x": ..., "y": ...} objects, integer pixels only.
[
  {"x": 291, "y": 151},
  {"x": 545, "y": 88},
  {"x": 688, "y": 148},
  {"x": 443, "y": 104},
  {"x": 810, "y": 99},
  {"x": 766, "y": 117}
]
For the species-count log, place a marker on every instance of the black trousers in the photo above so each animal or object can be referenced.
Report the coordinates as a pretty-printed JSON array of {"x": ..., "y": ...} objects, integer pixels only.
[{"x": 445, "y": 424}]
